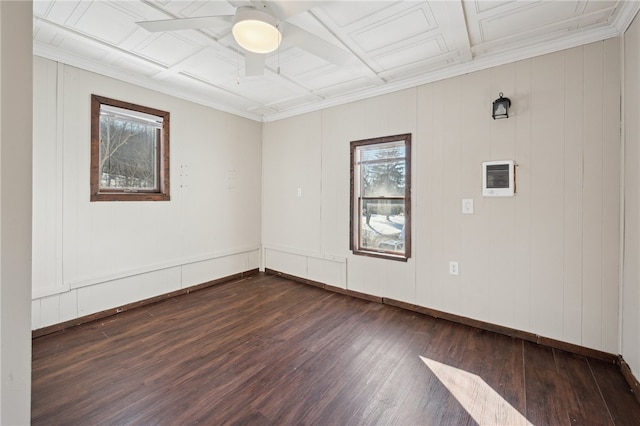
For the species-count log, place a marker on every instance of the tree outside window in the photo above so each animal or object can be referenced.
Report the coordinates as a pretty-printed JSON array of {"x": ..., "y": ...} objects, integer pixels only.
[
  {"x": 129, "y": 152},
  {"x": 380, "y": 197}
]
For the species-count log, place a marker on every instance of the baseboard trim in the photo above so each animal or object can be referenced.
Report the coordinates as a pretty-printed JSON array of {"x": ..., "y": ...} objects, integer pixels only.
[
  {"x": 512, "y": 332},
  {"x": 632, "y": 381},
  {"x": 325, "y": 286},
  {"x": 114, "y": 311},
  {"x": 629, "y": 377}
]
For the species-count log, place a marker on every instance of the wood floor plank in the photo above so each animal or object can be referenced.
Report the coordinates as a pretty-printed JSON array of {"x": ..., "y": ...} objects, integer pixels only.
[
  {"x": 267, "y": 351},
  {"x": 619, "y": 398},
  {"x": 586, "y": 405},
  {"x": 560, "y": 389}
]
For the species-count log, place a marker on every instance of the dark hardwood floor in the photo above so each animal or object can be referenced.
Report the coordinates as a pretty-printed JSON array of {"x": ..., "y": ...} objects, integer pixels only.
[{"x": 265, "y": 350}]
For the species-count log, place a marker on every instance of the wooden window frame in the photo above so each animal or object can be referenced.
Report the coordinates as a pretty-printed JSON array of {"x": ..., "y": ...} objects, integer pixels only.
[
  {"x": 162, "y": 166},
  {"x": 355, "y": 201}
]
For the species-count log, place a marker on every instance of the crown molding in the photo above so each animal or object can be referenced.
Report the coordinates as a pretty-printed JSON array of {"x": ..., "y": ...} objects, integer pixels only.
[
  {"x": 148, "y": 83},
  {"x": 626, "y": 14},
  {"x": 521, "y": 51}
]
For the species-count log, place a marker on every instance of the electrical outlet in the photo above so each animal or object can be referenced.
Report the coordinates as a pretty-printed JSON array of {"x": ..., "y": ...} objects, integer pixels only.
[{"x": 453, "y": 268}]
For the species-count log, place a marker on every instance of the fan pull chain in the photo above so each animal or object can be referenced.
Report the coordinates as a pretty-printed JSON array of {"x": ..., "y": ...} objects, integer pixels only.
[
  {"x": 279, "y": 51},
  {"x": 238, "y": 65}
]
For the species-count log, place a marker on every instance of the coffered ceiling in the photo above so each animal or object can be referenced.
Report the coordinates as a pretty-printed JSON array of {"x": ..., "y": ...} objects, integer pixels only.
[{"x": 375, "y": 47}]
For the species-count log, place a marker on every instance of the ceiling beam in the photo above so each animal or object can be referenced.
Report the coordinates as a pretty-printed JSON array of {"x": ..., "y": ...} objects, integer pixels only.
[{"x": 453, "y": 24}]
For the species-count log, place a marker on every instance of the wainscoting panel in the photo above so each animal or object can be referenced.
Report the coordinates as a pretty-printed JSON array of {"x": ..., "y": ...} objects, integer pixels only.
[
  {"x": 327, "y": 271},
  {"x": 126, "y": 290},
  {"x": 311, "y": 266},
  {"x": 111, "y": 293},
  {"x": 220, "y": 266}
]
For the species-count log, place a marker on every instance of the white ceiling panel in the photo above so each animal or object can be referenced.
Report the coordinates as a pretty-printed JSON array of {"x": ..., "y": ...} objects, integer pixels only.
[
  {"x": 413, "y": 54},
  {"x": 328, "y": 76},
  {"x": 255, "y": 89},
  {"x": 57, "y": 11},
  {"x": 367, "y": 47},
  {"x": 523, "y": 17},
  {"x": 84, "y": 50},
  {"x": 399, "y": 28},
  {"x": 296, "y": 63},
  {"x": 104, "y": 21},
  {"x": 207, "y": 8},
  {"x": 166, "y": 48},
  {"x": 347, "y": 13},
  {"x": 205, "y": 65}
]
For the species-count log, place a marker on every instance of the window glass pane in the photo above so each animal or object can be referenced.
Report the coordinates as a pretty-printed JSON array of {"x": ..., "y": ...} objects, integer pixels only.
[
  {"x": 382, "y": 169},
  {"x": 382, "y": 225},
  {"x": 128, "y": 153},
  {"x": 384, "y": 150},
  {"x": 383, "y": 179}
]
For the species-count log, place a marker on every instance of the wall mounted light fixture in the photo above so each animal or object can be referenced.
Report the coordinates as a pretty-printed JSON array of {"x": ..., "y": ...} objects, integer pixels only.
[{"x": 501, "y": 107}]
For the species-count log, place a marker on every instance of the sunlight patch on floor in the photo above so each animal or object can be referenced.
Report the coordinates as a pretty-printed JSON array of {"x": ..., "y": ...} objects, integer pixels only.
[{"x": 479, "y": 399}]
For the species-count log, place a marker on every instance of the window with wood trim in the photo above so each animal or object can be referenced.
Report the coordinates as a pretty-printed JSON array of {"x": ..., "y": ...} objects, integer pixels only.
[
  {"x": 381, "y": 197},
  {"x": 129, "y": 151}
]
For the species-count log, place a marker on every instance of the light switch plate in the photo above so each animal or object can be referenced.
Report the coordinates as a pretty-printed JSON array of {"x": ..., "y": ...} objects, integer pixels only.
[
  {"x": 453, "y": 268},
  {"x": 467, "y": 206}
]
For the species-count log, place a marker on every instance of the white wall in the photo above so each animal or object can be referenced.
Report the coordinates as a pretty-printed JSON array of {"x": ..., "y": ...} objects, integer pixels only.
[
  {"x": 545, "y": 261},
  {"x": 15, "y": 211},
  {"x": 631, "y": 277},
  {"x": 92, "y": 256}
]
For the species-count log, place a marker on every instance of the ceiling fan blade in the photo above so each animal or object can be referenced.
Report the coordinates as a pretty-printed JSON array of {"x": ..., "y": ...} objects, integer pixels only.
[
  {"x": 181, "y": 23},
  {"x": 240, "y": 3},
  {"x": 313, "y": 44},
  {"x": 254, "y": 64}
]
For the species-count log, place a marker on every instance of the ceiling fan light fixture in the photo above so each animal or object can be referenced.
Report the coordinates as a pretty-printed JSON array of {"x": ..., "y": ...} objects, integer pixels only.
[{"x": 255, "y": 30}]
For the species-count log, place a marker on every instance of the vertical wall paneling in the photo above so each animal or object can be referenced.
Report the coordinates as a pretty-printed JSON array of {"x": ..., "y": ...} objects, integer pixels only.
[
  {"x": 346, "y": 124},
  {"x": 72, "y": 221},
  {"x": 543, "y": 261},
  {"x": 423, "y": 190},
  {"x": 450, "y": 125},
  {"x": 573, "y": 108},
  {"x": 547, "y": 195},
  {"x": 522, "y": 248},
  {"x": 292, "y": 158},
  {"x": 611, "y": 198},
  {"x": 474, "y": 236},
  {"x": 501, "y": 211},
  {"x": 436, "y": 138},
  {"x": 592, "y": 197},
  {"x": 114, "y": 253},
  {"x": 631, "y": 274},
  {"x": 47, "y": 211}
]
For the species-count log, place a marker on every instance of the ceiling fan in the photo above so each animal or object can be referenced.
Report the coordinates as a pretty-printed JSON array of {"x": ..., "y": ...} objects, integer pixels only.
[{"x": 259, "y": 27}]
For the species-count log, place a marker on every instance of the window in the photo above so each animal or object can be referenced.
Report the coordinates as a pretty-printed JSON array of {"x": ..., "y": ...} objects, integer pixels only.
[
  {"x": 381, "y": 197},
  {"x": 129, "y": 152}
]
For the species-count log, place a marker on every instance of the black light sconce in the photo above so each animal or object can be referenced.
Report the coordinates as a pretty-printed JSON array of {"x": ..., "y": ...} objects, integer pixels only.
[{"x": 501, "y": 107}]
